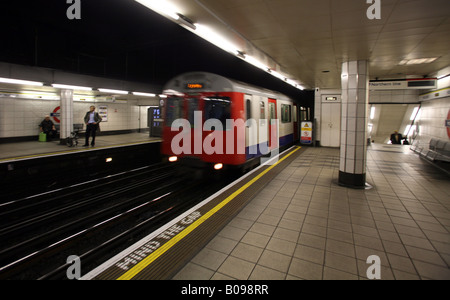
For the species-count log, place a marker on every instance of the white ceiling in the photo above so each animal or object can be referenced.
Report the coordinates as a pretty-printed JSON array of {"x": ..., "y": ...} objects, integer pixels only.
[{"x": 303, "y": 38}]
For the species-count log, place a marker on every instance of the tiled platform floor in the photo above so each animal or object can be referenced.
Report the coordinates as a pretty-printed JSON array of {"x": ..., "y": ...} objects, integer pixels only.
[
  {"x": 12, "y": 150},
  {"x": 304, "y": 226}
]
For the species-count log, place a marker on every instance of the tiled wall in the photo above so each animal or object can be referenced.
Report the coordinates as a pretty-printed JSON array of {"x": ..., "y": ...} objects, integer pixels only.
[
  {"x": 394, "y": 96},
  {"x": 432, "y": 120},
  {"x": 21, "y": 118}
]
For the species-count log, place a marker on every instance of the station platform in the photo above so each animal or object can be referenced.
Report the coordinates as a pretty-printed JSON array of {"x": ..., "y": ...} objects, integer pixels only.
[
  {"x": 46, "y": 166},
  {"x": 292, "y": 221},
  {"x": 31, "y": 150}
]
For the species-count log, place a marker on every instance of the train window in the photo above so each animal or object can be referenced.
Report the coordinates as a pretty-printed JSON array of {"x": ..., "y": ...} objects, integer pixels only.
[
  {"x": 192, "y": 108},
  {"x": 263, "y": 110},
  {"x": 174, "y": 109},
  {"x": 286, "y": 114},
  {"x": 218, "y": 108},
  {"x": 249, "y": 109},
  {"x": 272, "y": 111}
]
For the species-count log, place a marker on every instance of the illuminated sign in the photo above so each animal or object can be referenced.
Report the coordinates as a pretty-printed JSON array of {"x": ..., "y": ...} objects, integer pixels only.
[{"x": 194, "y": 86}]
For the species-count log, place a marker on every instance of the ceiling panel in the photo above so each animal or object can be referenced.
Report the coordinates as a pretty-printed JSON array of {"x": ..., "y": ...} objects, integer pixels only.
[{"x": 307, "y": 37}]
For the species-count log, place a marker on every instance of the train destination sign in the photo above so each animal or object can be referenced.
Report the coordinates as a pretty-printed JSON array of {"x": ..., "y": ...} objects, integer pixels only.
[{"x": 195, "y": 86}]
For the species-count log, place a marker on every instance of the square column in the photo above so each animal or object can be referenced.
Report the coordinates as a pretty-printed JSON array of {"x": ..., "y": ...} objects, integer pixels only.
[
  {"x": 66, "y": 115},
  {"x": 355, "y": 100}
]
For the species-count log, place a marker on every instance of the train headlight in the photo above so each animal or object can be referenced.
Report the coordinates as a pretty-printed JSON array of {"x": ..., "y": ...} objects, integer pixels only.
[
  {"x": 173, "y": 159},
  {"x": 218, "y": 166}
]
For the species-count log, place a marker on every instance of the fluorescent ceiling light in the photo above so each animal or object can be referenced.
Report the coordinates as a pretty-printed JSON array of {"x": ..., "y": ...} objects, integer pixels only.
[
  {"x": 278, "y": 75},
  {"x": 372, "y": 112},
  {"x": 414, "y": 113},
  {"x": 71, "y": 87},
  {"x": 166, "y": 9},
  {"x": 409, "y": 129},
  {"x": 162, "y": 7},
  {"x": 214, "y": 38},
  {"x": 113, "y": 91},
  {"x": 418, "y": 61},
  {"x": 144, "y": 94},
  {"x": 19, "y": 81},
  {"x": 253, "y": 61}
]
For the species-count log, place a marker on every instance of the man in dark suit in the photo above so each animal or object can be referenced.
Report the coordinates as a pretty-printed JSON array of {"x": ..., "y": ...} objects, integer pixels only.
[
  {"x": 396, "y": 138},
  {"x": 92, "y": 121}
]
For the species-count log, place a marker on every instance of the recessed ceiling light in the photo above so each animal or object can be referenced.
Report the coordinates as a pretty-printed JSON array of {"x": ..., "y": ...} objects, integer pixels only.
[{"x": 417, "y": 61}]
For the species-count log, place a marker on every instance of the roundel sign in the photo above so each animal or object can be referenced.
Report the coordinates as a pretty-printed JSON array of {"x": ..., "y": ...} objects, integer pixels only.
[
  {"x": 447, "y": 124},
  {"x": 56, "y": 114}
]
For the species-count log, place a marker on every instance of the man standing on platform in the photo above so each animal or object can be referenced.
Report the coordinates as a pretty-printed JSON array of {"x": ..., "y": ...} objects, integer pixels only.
[
  {"x": 92, "y": 121},
  {"x": 396, "y": 138}
]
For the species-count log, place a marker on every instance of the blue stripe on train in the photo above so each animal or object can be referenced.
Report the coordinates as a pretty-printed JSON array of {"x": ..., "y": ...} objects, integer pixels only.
[{"x": 262, "y": 149}]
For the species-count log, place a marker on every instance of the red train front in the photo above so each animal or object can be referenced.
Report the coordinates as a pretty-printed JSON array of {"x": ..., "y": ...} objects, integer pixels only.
[{"x": 214, "y": 122}]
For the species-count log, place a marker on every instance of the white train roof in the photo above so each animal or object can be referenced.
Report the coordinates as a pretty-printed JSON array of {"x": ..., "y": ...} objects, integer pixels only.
[{"x": 197, "y": 82}]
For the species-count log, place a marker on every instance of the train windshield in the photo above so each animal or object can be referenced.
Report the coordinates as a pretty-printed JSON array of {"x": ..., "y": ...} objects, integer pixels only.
[
  {"x": 218, "y": 108},
  {"x": 192, "y": 108},
  {"x": 174, "y": 107}
]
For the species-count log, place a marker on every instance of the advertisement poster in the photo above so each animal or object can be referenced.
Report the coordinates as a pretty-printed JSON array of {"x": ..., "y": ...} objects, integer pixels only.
[{"x": 103, "y": 112}]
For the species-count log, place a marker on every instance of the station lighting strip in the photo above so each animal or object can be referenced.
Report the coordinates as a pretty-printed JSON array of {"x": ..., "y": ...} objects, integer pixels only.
[
  {"x": 169, "y": 11},
  {"x": 53, "y": 96}
]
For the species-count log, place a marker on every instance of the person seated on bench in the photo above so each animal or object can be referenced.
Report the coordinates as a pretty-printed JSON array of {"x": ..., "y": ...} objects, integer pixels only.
[{"x": 48, "y": 128}]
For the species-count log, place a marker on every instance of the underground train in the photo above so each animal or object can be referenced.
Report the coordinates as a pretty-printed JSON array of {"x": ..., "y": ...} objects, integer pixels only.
[{"x": 214, "y": 122}]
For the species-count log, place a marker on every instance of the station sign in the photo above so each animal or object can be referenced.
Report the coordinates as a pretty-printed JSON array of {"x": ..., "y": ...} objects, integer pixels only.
[
  {"x": 306, "y": 133},
  {"x": 403, "y": 84},
  {"x": 56, "y": 114}
]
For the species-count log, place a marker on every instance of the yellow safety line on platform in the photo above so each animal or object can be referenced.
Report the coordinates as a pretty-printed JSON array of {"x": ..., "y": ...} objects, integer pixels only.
[{"x": 155, "y": 255}]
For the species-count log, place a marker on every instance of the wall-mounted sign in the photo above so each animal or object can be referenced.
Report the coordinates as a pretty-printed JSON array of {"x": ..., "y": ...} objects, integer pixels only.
[
  {"x": 103, "y": 112},
  {"x": 306, "y": 133},
  {"x": 331, "y": 99},
  {"x": 435, "y": 94},
  {"x": 403, "y": 84},
  {"x": 447, "y": 124},
  {"x": 56, "y": 114}
]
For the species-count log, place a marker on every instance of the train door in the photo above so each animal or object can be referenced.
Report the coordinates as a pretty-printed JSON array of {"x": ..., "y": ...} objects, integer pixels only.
[
  {"x": 250, "y": 141},
  {"x": 296, "y": 124},
  {"x": 273, "y": 124}
]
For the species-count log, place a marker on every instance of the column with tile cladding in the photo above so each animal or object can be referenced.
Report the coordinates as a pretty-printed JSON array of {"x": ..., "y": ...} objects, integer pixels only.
[
  {"x": 66, "y": 115},
  {"x": 355, "y": 100}
]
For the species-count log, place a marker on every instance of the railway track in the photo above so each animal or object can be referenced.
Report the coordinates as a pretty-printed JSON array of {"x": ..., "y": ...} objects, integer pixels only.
[{"x": 93, "y": 220}]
